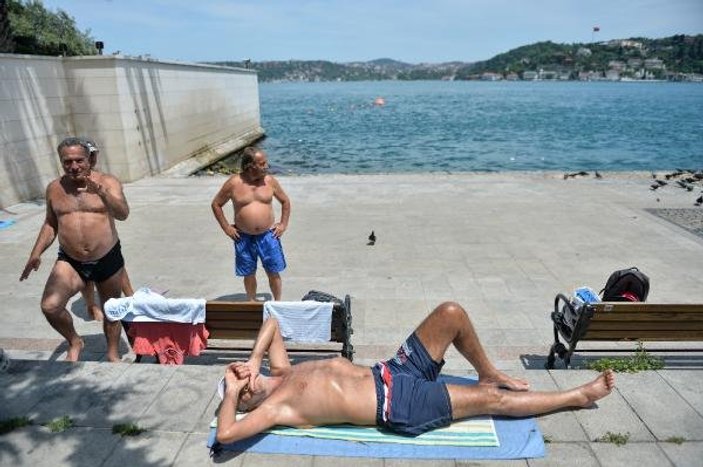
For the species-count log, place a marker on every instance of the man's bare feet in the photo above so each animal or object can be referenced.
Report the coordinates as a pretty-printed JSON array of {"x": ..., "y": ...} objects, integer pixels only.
[
  {"x": 113, "y": 358},
  {"x": 502, "y": 380},
  {"x": 596, "y": 389},
  {"x": 95, "y": 312},
  {"x": 74, "y": 350}
]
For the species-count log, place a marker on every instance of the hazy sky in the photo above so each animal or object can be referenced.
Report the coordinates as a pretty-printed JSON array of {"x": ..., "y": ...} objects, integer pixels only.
[{"x": 408, "y": 30}]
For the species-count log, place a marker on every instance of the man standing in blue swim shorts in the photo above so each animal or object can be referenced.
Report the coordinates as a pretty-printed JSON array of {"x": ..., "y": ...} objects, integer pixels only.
[
  {"x": 81, "y": 209},
  {"x": 401, "y": 394},
  {"x": 254, "y": 232}
]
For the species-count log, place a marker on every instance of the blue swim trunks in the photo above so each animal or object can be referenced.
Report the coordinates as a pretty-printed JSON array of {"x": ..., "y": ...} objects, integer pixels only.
[
  {"x": 410, "y": 400},
  {"x": 251, "y": 247}
]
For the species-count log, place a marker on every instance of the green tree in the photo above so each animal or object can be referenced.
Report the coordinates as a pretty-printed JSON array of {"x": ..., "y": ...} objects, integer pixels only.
[
  {"x": 35, "y": 30},
  {"x": 6, "y": 44}
]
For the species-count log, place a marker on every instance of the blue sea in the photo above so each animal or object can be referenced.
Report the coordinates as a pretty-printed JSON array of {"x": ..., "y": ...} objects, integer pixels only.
[{"x": 457, "y": 126}]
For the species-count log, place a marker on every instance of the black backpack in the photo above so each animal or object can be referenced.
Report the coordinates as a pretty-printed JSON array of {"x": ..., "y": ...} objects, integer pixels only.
[
  {"x": 318, "y": 296},
  {"x": 626, "y": 285}
]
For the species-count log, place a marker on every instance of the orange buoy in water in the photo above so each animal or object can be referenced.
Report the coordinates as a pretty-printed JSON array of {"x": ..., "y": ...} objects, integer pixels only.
[{"x": 379, "y": 101}]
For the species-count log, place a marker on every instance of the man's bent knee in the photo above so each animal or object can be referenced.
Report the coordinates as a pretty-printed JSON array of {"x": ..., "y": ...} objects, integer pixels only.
[
  {"x": 52, "y": 307},
  {"x": 451, "y": 309}
]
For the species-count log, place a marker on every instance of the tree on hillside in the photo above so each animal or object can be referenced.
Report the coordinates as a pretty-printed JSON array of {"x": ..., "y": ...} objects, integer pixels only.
[
  {"x": 6, "y": 44},
  {"x": 35, "y": 30}
]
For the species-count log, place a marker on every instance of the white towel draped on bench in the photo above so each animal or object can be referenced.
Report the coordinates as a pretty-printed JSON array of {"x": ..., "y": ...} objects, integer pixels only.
[
  {"x": 305, "y": 321},
  {"x": 147, "y": 306}
]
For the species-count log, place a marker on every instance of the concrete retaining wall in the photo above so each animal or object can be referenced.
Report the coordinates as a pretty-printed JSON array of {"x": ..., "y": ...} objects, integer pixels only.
[{"x": 146, "y": 116}]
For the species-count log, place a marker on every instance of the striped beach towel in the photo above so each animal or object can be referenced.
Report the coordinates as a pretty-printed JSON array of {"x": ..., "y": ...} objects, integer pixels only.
[{"x": 478, "y": 431}]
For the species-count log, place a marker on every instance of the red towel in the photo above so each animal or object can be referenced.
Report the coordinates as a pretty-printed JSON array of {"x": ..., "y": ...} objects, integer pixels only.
[{"x": 171, "y": 342}]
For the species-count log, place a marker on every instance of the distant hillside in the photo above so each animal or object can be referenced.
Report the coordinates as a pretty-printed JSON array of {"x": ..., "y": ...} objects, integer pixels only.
[
  {"x": 320, "y": 70},
  {"x": 678, "y": 54},
  {"x": 675, "y": 57}
]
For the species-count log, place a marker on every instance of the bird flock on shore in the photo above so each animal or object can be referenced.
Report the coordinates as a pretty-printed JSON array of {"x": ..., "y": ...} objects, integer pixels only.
[
  {"x": 688, "y": 180},
  {"x": 685, "y": 179}
]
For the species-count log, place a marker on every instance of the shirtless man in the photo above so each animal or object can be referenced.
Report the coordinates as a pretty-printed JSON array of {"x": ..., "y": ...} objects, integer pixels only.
[
  {"x": 400, "y": 394},
  {"x": 254, "y": 232},
  {"x": 81, "y": 208},
  {"x": 88, "y": 292}
]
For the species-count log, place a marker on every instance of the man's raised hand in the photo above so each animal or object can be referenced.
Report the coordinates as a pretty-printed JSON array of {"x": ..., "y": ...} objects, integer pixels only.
[{"x": 32, "y": 265}]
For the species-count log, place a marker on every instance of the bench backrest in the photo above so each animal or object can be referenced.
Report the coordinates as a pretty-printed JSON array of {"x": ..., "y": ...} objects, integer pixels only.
[
  {"x": 612, "y": 321},
  {"x": 242, "y": 320}
]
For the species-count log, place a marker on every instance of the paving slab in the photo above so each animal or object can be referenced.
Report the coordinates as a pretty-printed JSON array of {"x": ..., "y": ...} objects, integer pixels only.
[
  {"x": 575, "y": 454},
  {"x": 684, "y": 454},
  {"x": 38, "y": 446},
  {"x": 632, "y": 453},
  {"x": 613, "y": 414},
  {"x": 663, "y": 410},
  {"x": 148, "y": 449}
]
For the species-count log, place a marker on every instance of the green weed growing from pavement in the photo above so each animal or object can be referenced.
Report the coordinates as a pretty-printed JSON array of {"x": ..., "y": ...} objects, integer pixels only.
[
  {"x": 11, "y": 424},
  {"x": 617, "y": 439},
  {"x": 60, "y": 424},
  {"x": 127, "y": 429},
  {"x": 547, "y": 439},
  {"x": 639, "y": 361},
  {"x": 675, "y": 440}
]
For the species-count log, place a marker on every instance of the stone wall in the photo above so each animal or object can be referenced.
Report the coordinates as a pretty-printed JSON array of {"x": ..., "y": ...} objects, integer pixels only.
[{"x": 146, "y": 116}]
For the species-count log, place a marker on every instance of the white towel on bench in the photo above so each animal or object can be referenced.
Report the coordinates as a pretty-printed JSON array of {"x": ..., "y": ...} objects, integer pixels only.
[
  {"x": 306, "y": 321},
  {"x": 147, "y": 306}
]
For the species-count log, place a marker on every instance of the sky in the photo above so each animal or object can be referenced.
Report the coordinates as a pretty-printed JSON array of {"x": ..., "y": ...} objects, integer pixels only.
[{"x": 412, "y": 31}]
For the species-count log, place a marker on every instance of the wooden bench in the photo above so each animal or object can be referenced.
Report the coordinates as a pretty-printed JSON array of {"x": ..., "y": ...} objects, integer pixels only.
[
  {"x": 232, "y": 323},
  {"x": 624, "y": 321}
]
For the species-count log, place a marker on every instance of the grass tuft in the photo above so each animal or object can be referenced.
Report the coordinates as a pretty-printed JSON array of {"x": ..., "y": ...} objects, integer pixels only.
[
  {"x": 640, "y": 361},
  {"x": 675, "y": 440},
  {"x": 617, "y": 439},
  {"x": 127, "y": 429},
  {"x": 60, "y": 424},
  {"x": 12, "y": 424}
]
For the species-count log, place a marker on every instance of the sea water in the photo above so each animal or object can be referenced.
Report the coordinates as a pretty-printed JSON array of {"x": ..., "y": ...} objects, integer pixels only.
[{"x": 459, "y": 126}]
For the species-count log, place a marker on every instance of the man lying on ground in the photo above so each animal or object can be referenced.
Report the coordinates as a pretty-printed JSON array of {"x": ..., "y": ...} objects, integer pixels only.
[{"x": 401, "y": 394}]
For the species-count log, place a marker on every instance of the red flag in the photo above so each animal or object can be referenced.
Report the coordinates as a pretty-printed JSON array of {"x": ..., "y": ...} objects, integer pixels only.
[{"x": 596, "y": 29}]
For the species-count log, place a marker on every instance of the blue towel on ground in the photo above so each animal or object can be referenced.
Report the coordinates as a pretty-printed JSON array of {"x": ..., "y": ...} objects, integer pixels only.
[
  {"x": 304, "y": 321},
  {"x": 519, "y": 438},
  {"x": 6, "y": 224}
]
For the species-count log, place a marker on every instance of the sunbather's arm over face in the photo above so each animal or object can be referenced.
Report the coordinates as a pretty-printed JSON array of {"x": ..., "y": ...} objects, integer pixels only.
[
  {"x": 228, "y": 428},
  {"x": 270, "y": 340}
]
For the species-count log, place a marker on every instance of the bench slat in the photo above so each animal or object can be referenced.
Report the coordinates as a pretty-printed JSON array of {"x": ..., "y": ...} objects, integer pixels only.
[
  {"x": 645, "y": 326},
  {"x": 628, "y": 316},
  {"x": 244, "y": 325},
  {"x": 643, "y": 335},
  {"x": 233, "y": 306},
  {"x": 234, "y": 315},
  {"x": 640, "y": 307},
  {"x": 645, "y": 321}
]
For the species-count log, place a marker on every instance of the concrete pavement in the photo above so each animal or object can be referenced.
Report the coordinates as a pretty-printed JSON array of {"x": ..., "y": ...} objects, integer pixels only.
[{"x": 502, "y": 245}]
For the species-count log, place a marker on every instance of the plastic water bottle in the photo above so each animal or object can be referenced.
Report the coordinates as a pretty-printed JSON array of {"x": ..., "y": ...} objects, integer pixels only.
[{"x": 585, "y": 295}]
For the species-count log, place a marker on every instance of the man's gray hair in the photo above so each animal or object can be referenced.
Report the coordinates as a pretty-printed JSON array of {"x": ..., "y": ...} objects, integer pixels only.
[{"x": 73, "y": 141}]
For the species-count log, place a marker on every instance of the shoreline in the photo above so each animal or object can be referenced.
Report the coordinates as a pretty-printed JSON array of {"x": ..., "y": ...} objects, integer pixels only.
[{"x": 538, "y": 174}]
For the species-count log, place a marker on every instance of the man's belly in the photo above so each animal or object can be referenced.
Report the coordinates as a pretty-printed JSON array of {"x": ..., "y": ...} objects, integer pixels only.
[
  {"x": 87, "y": 241},
  {"x": 254, "y": 218}
]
